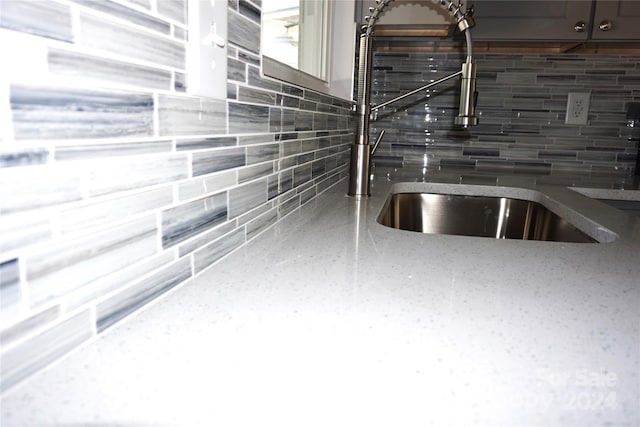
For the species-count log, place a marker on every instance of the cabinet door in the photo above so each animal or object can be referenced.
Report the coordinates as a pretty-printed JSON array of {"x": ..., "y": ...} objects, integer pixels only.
[
  {"x": 531, "y": 20},
  {"x": 616, "y": 20}
]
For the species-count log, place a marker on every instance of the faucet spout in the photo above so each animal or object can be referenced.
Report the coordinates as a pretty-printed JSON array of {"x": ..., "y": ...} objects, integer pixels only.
[{"x": 361, "y": 152}]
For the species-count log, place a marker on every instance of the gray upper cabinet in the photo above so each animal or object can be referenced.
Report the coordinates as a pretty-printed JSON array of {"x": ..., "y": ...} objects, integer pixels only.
[
  {"x": 616, "y": 20},
  {"x": 532, "y": 20}
]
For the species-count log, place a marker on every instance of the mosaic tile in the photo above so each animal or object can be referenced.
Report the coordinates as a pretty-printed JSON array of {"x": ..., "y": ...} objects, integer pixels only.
[
  {"x": 68, "y": 265},
  {"x": 253, "y": 172},
  {"x": 262, "y": 153},
  {"x": 245, "y": 118},
  {"x": 191, "y": 116},
  {"x": 33, "y": 187},
  {"x": 187, "y": 220},
  {"x": 57, "y": 113},
  {"x": 214, "y": 251},
  {"x": 126, "y": 302},
  {"x": 24, "y": 360},
  {"x": 246, "y": 197},
  {"x": 243, "y": 32},
  {"x": 81, "y": 66},
  {"x": 99, "y": 213},
  {"x": 10, "y": 293},
  {"x": 21, "y": 230},
  {"x": 217, "y": 160},
  {"x": 79, "y": 151},
  {"x": 29, "y": 325},
  {"x": 206, "y": 143},
  {"x": 119, "y": 280},
  {"x": 204, "y": 186},
  {"x": 107, "y": 176},
  {"x": 130, "y": 42},
  {"x": 23, "y": 157},
  {"x": 46, "y": 19},
  {"x": 127, "y": 14},
  {"x": 205, "y": 238}
]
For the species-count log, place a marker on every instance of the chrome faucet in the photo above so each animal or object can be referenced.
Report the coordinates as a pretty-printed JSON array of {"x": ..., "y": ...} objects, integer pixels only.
[{"x": 361, "y": 150}]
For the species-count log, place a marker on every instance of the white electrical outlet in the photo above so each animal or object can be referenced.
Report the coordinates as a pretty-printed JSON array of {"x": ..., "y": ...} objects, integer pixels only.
[{"x": 577, "y": 108}]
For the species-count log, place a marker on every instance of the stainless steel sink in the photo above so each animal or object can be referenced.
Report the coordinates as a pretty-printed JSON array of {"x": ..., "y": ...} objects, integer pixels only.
[{"x": 496, "y": 217}]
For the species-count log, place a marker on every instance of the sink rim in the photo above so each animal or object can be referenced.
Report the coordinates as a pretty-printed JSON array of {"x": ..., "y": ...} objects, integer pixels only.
[{"x": 596, "y": 231}]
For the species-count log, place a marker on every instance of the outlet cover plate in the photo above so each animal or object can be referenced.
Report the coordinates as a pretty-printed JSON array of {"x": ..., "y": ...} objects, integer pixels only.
[{"x": 577, "y": 108}]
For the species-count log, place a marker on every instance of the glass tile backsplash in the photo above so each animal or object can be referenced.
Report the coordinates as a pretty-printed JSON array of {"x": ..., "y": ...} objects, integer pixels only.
[
  {"x": 115, "y": 185},
  {"x": 521, "y": 105}
]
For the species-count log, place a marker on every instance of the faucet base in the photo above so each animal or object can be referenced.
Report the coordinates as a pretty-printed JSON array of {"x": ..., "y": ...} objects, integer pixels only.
[{"x": 359, "y": 180}]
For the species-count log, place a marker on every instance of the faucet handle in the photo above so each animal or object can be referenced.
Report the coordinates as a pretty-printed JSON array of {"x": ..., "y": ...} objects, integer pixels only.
[{"x": 375, "y": 144}]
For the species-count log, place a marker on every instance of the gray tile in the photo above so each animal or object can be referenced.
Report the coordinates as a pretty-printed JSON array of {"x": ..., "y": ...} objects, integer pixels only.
[
  {"x": 192, "y": 218},
  {"x": 206, "y": 143},
  {"x": 24, "y": 360},
  {"x": 111, "y": 37},
  {"x": 29, "y": 325},
  {"x": 103, "y": 212},
  {"x": 247, "y": 94},
  {"x": 97, "y": 289},
  {"x": 174, "y": 9},
  {"x": 145, "y": 4},
  {"x": 275, "y": 119},
  {"x": 253, "y": 172},
  {"x": 46, "y": 19},
  {"x": 26, "y": 188},
  {"x": 301, "y": 175},
  {"x": 262, "y": 153},
  {"x": 23, "y": 157},
  {"x": 57, "y": 113},
  {"x": 245, "y": 118},
  {"x": 205, "y": 186},
  {"x": 255, "y": 79},
  {"x": 261, "y": 223},
  {"x": 236, "y": 70},
  {"x": 109, "y": 176},
  {"x": 22, "y": 230},
  {"x": 255, "y": 139},
  {"x": 10, "y": 293},
  {"x": 61, "y": 268},
  {"x": 205, "y": 238},
  {"x": 250, "y": 11},
  {"x": 243, "y": 32},
  {"x": 288, "y": 206},
  {"x": 180, "y": 33},
  {"x": 79, "y": 151},
  {"x": 188, "y": 115},
  {"x": 214, "y": 251},
  {"x": 304, "y": 121},
  {"x": 217, "y": 160},
  {"x": 179, "y": 82},
  {"x": 246, "y": 197},
  {"x": 86, "y": 67},
  {"x": 128, "y": 14},
  {"x": 126, "y": 302}
]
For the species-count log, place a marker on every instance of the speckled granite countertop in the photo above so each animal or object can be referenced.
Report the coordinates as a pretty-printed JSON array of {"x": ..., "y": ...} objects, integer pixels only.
[{"x": 330, "y": 319}]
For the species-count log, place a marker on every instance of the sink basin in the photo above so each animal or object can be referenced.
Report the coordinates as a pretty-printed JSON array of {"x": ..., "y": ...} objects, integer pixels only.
[{"x": 482, "y": 216}]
